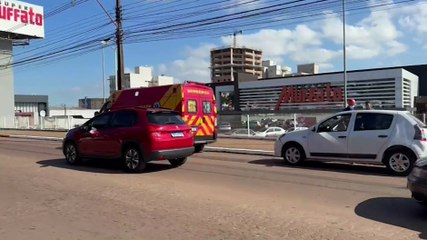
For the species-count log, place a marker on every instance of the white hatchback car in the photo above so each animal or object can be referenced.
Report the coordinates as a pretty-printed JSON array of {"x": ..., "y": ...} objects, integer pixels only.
[
  {"x": 393, "y": 138},
  {"x": 271, "y": 132}
]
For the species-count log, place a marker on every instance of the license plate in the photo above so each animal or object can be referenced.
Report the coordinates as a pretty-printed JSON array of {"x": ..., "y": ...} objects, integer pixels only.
[
  {"x": 194, "y": 129},
  {"x": 177, "y": 134}
]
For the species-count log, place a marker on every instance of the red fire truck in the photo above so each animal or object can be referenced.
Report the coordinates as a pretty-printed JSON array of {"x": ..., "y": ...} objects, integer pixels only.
[{"x": 194, "y": 101}]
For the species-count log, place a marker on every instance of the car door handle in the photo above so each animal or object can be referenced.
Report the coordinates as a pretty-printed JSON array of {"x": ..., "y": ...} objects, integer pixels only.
[
  {"x": 382, "y": 136},
  {"x": 342, "y": 136}
]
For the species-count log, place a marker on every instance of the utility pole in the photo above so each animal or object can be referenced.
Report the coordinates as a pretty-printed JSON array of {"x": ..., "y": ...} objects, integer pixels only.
[
  {"x": 344, "y": 50},
  {"x": 119, "y": 36}
]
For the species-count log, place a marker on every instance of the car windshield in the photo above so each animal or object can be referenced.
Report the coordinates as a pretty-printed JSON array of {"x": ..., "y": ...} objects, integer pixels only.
[{"x": 165, "y": 118}]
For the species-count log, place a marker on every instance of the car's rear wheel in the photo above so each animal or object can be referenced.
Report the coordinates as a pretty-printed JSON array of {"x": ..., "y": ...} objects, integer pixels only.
[
  {"x": 177, "y": 161},
  {"x": 71, "y": 153},
  {"x": 400, "y": 162},
  {"x": 199, "y": 148},
  {"x": 133, "y": 160},
  {"x": 293, "y": 154}
]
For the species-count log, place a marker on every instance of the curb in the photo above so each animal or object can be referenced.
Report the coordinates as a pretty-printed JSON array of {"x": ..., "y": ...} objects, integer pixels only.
[
  {"x": 31, "y": 137},
  {"x": 240, "y": 151},
  {"x": 207, "y": 149}
]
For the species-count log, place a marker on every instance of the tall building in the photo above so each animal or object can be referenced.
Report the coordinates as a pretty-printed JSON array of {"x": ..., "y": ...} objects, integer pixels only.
[
  {"x": 91, "y": 103},
  {"x": 226, "y": 61},
  {"x": 141, "y": 77}
]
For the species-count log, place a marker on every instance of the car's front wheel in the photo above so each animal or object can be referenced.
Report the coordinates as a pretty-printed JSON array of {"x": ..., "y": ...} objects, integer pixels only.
[
  {"x": 133, "y": 160},
  {"x": 400, "y": 162},
  {"x": 71, "y": 153},
  {"x": 293, "y": 154},
  {"x": 177, "y": 161}
]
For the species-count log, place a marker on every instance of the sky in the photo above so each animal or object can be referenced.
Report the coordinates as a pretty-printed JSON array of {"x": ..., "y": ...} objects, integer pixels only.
[{"x": 375, "y": 37}]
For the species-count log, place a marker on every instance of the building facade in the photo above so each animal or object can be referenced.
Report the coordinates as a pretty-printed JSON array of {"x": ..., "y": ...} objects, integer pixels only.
[
  {"x": 226, "y": 62},
  {"x": 7, "y": 117},
  {"x": 393, "y": 88},
  {"x": 141, "y": 77},
  {"x": 29, "y": 109},
  {"x": 91, "y": 103}
]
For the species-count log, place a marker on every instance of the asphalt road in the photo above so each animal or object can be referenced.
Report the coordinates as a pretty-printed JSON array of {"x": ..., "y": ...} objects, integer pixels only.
[{"x": 213, "y": 196}]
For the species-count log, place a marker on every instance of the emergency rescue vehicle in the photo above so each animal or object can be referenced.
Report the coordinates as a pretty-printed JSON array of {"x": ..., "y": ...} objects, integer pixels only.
[{"x": 194, "y": 101}]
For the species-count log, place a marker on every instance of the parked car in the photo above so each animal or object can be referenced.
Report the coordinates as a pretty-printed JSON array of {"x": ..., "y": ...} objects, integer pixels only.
[
  {"x": 297, "y": 129},
  {"x": 224, "y": 127},
  {"x": 272, "y": 132},
  {"x": 417, "y": 181},
  {"x": 242, "y": 132},
  {"x": 136, "y": 135},
  {"x": 393, "y": 138}
]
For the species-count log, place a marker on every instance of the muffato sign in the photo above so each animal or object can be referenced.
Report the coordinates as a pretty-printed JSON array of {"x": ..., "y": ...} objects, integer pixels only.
[{"x": 21, "y": 18}]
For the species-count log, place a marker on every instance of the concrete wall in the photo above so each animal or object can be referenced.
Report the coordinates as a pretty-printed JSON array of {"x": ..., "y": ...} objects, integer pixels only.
[{"x": 7, "y": 103}]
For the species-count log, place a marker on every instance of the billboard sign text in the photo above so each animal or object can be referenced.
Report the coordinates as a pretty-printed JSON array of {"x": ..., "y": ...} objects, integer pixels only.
[{"x": 21, "y": 18}]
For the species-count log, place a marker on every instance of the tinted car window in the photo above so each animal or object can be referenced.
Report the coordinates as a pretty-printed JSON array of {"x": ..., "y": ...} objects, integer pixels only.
[
  {"x": 101, "y": 121},
  {"x": 165, "y": 118},
  {"x": 124, "y": 119},
  {"x": 372, "y": 121},
  {"x": 337, "y": 123},
  {"x": 207, "y": 107}
]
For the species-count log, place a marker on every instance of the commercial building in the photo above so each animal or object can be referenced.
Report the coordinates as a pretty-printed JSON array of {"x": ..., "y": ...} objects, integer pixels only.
[
  {"x": 29, "y": 109},
  {"x": 91, "y": 103},
  {"x": 226, "y": 62},
  {"x": 392, "y": 88},
  {"x": 141, "y": 77},
  {"x": 29, "y": 27}
]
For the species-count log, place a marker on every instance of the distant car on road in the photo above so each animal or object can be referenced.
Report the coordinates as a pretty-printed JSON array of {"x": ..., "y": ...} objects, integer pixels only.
[
  {"x": 417, "y": 181},
  {"x": 224, "y": 127},
  {"x": 136, "y": 135},
  {"x": 297, "y": 129},
  {"x": 242, "y": 132},
  {"x": 272, "y": 132},
  {"x": 393, "y": 138}
]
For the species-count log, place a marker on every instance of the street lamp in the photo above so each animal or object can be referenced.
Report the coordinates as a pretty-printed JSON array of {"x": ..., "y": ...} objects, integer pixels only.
[{"x": 103, "y": 44}]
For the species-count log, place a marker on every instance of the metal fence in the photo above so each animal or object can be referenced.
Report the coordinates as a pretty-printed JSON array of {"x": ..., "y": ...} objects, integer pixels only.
[
  {"x": 226, "y": 123},
  {"x": 248, "y": 124},
  {"x": 47, "y": 123}
]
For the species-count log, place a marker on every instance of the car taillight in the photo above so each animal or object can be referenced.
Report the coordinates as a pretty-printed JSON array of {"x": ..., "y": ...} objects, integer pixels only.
[
  {"x": 156, "y": 134},
  {"x": 419, "y": 133}
]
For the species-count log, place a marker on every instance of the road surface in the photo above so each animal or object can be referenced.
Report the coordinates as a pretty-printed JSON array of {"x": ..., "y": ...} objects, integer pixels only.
[{"x": 213, "y": 196}]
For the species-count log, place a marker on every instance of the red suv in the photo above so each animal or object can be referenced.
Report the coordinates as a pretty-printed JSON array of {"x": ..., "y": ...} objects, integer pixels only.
[{"x": 137, "y": 135}]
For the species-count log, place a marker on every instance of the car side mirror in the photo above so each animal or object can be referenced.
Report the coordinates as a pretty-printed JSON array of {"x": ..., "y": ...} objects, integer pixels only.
[{"x": 313, "y": 129}]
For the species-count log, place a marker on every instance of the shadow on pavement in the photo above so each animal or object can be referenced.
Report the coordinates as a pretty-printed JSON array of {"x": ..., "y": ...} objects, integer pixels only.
[
  {"x": 401, "y": 212},
  {"x": 101, "y": 166},
  {"x": 329, "y": 166}
]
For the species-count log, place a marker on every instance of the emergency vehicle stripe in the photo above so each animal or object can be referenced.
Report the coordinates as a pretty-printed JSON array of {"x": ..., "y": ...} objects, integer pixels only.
[
  {"x": 185, "y": 118},
  {"x": 205, "y": 129},
  {"x": 192, "y": 119},
  {"x": 209, "y": 123}
]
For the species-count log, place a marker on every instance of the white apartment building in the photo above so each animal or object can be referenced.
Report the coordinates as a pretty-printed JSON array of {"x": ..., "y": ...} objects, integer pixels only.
[{"x": 141, "y": 77}]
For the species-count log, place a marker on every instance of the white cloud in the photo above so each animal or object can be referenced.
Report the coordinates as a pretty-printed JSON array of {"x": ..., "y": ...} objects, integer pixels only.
[
  {"x": 194, "y": 66},
  {"x": 377, "y": 36},
  {"x": 244, "y": 5}
]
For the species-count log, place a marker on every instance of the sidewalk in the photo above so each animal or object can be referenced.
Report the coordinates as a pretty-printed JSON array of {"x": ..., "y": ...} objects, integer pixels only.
[{"x": 229, "y": 145}]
